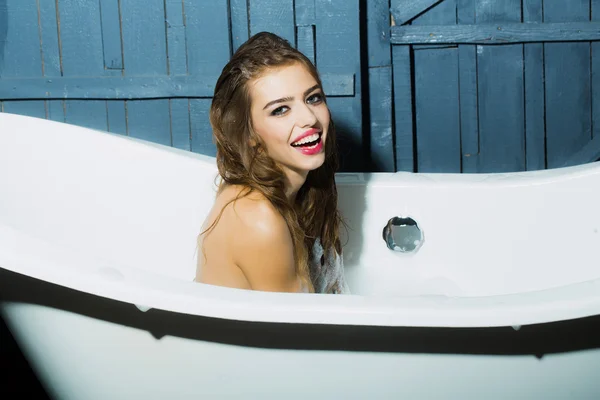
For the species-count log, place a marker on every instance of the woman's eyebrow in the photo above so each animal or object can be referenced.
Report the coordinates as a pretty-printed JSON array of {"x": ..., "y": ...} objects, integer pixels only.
[
  {"x": 310, "y": 89},
  {"x": 284, "y": 99}
]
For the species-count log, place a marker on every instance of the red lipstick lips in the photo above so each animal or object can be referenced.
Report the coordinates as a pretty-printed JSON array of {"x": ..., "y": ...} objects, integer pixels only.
[
  {"x": 307, "y": 133},
  {"x": 309, "y": 148}
]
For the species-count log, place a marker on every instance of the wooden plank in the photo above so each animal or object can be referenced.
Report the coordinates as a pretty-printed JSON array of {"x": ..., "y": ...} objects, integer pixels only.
[
  {"x": 207, "y": 30},
  {"x": 144, "y": 44},
  {"x": 111, "y": 37},
  {"x": 201, "y": 137},
  {"x": 568, "y": 100},
  {"x": 306, "y": 41},
  {"x": 240, "y": 28},
  {"x": 338, "y": 37},
  {"x": 595, "y": 71},
  {"x": 3, "y": 32},
  {"x": 338, "y": 54},
  {"x": 29, "y": 108},
  {"x": 177, "y": 56},
  {"x": 436, "y": 98},
  {"x": 176, "y": 38},
  {"x": 305, "y": 16},
  {"x": 22, "y": 56},
  {"x": 109, "y": 87},
  {"x": 404, "y": 11},
  {"x": 378, "y": 37},
  {"x": 110, "y": 12},
  {"x": 82, "y": 55},
  {"x": 145, "y": 53},
  {"x": 22, "y": 46},
  {"x": 500, "y": 33},
  {"x": 55, "y": 110},
  {"x": 117, "y": 116},
  {"x": 51, "y": 59},
  {"x": 305, "y": 11},
  {"x": 180, "y": 124},
  {"x": 138, "y": 87},
  {"x": 276, "y": 16},
  {"x": 590, "y": 152},
  {"x": 149, "y": 120},
  {"x": 380, "y": 110},
  {"x": 49, "y": 39},
  {"x": 342, "y": 84},
  {"x": 403, "y": 109},
  {"x": 380, "y": 88},
  {"x": 468, "y": 96},
  {"x": 88, "y": 113},
  {"x": 501, "y": 99},
  {"x": 535, "y": 129},
  {"x": 81, "y": 38}
]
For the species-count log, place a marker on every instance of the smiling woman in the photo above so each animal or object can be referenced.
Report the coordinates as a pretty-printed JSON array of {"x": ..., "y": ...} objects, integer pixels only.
[{"x": 275, "y": 223}]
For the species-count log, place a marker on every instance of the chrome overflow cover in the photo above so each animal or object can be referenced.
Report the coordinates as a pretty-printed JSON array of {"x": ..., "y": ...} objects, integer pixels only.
[{"x": 403, "y": 234}]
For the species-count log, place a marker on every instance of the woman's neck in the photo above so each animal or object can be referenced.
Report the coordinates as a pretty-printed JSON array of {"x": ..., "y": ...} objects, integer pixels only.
[{"x": 294, "y": 181}]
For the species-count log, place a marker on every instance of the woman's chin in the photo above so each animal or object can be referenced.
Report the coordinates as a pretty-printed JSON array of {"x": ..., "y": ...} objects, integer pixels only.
[
  {"x": 303, "y": 164},
  {"x": 315, "y": 162}
]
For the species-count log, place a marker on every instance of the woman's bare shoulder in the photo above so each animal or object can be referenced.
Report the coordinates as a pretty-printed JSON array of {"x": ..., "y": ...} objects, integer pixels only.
[
  {"x": 262, "y": 244},
  {"x": 255, "y": 212}
]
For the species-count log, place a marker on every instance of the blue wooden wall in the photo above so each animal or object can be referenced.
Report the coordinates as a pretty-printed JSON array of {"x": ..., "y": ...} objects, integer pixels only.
[
  {"x": 492, "y": 86},
  {"x": 414, "y": 85},
  {"x": 147, "y": 68}
]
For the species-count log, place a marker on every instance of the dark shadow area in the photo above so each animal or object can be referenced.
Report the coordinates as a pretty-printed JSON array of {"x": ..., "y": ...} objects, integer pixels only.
[
  {"x": 17, "y": 380},
  {"x": 365, "y": 92},
  {"x": 536, "y": 340},
  {"x": 352, "y": 155}
]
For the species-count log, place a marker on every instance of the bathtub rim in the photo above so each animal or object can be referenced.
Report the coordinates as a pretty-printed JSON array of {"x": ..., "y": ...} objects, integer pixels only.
[
  {"x": 150, "y": 290},
  {"x": 567, "y": 302},
  {"x": 395, "y": 179}
]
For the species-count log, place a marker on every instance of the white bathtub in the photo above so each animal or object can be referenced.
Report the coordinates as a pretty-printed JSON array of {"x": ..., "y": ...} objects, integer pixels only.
[{"x": 98, "y": 252}]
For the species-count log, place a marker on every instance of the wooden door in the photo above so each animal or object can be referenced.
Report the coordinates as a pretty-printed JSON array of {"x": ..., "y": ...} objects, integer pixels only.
[{"x": 495, "y": 86}]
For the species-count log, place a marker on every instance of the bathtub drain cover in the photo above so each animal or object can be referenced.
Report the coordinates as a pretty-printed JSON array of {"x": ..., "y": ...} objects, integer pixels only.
[{"x": 403, "y": 235}]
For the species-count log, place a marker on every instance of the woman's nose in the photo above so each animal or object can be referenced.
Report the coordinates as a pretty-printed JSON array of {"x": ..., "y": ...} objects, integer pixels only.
[{"x": 306, "y": 116}]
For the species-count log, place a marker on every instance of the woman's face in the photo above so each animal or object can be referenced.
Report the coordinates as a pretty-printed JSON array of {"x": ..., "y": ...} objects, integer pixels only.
[{"x": 289, "y": 114}]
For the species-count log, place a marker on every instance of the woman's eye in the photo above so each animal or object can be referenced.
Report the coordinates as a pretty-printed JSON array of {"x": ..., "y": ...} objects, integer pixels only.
[
  {"x": 279, "y": 110},
  {"x": 315, "y": 99}
]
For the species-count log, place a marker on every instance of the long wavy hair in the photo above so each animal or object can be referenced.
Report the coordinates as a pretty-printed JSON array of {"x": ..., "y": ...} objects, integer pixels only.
[{"x": 242, "y": 159}]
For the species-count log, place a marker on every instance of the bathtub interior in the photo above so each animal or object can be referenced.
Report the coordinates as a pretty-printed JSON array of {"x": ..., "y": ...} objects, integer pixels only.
[
  {"x": 104, "y": 196},
  {"x": 484, "y": 235},
  {"x": 107, "y": 201}
]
